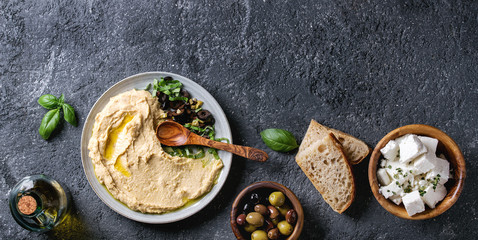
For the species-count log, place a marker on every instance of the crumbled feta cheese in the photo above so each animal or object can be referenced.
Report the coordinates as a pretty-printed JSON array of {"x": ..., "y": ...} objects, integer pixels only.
[
  {"x": 390, "y": 150},
  {"x": 433, "y": 196},
  {"x": 424, "y": 163},
  {"x": 410, "y": 148},
  {"x": 430, "y": 143},
  {"x": 413, "y": 203},
  {"x": 383, "y": 177}
]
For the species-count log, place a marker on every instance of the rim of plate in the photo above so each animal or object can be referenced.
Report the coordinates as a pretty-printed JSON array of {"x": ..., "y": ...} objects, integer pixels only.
[{"x": 117, "y": 206}]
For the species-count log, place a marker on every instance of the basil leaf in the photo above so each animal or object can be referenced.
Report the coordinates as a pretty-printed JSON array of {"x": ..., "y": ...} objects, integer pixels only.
[
  {"x": 279, "y": 140},
  {"x": 69, "y": 114},
  {"x": 61, "y": 99},
  {"x": 48, "y": 101},
  {"x": 49, "y": 123}
]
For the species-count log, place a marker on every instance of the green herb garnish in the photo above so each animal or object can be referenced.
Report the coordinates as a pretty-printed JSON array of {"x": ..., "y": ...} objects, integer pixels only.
[
  {"x": 52, "y": 118},
  {"x": 435, "y": 181},
  {"x": 422, "y": 192},
  {"x": 172, "y": 88}
]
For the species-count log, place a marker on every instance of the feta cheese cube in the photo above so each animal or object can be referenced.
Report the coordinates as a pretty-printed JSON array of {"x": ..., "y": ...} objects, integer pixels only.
[
  {"x": 410, "y": 148},
  {"x": 396, "y": 199},
  {"x": 383, "y": 177},
  {"x": 400, "y": 139},
  {"x": 391, "y": 190},
  {"x": 419, "y": 182},
  {"x": 441, "y": 170},
  {"x": 413, "y": 203},
  {"x": 430, "y": 143},
  {"x": 424, "y": 163},
  {"x": 433, "y": 196},
  {"x": 398, "y": 171},
  {"x": 422, "y": 183},
  {"x": 390, "y": 150},
  {"x": 383, "y": 163}
]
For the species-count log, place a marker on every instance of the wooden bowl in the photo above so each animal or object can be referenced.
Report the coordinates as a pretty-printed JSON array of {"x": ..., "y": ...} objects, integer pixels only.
[
  {"x": 239, "y": 202},
  {"x": 446, "y": 146}
]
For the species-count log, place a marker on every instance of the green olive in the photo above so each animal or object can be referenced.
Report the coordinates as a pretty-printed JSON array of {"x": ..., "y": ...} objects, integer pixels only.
[
  {"x": 277, "y": 199},
  {"x": 285, "y": 228},
  {"x": 249, "y": 228},
  {"x": 259, "y": 235},
  {"x": 255, "y": 219},
  {"x": 283, "y": 209}
]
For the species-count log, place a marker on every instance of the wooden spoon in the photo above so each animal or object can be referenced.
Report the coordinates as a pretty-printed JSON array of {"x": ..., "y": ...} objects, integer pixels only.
[{"x": 174, "y": 134}]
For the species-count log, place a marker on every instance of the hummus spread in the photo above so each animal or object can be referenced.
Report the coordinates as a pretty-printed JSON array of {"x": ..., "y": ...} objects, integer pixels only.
[{"x": 130, "y": 162}]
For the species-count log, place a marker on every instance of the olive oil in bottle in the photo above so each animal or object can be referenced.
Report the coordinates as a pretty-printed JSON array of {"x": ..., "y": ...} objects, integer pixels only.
[{"x": 38, "y": 203}]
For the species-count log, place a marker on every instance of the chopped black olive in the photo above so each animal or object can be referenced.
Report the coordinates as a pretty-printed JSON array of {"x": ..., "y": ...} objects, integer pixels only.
[{"x": 185, "y": 93}]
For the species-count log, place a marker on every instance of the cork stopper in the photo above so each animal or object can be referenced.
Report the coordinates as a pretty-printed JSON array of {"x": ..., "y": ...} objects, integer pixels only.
[{"x": 27, "y": 205}]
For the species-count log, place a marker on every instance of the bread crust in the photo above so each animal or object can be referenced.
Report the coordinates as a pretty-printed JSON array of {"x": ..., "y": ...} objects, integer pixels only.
[
  {"x": 339, "y": 146},
  {"x": 317, "y": 131}
]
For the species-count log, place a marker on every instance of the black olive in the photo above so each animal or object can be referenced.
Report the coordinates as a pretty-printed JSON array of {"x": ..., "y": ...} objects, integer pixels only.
[
  {"x": 164, "y": 105},
  {"x": 162, "y": 97},
  {"x": 185, "y": 93},
  {"x": 178, "y": 112},
  {"x": 176, "y": 104},
  {"x": 210, "y": 120},
  {"x": 204, "y": 114},
  {"x": 248, "y": 208},
  {"x": 191, "y": 114},
  {"x": 254, "y": 198},
  {"x": 182, "y": 119},
  {"x": 168, "y": 78}
]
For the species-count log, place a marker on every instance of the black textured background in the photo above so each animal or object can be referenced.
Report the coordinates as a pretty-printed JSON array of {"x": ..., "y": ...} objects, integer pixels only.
[{"x": 364, "y": 67}]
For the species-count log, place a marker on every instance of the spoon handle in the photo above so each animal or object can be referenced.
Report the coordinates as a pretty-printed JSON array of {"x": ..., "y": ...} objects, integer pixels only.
[{"x": 243, "y": 151}]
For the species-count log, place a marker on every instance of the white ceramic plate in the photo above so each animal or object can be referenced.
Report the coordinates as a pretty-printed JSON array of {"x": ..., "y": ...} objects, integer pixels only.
[{"x": 140, "y": 81}]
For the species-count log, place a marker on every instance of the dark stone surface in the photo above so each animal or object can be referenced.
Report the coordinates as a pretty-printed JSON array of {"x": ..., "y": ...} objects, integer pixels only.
[{"x": 364, "y": 67}]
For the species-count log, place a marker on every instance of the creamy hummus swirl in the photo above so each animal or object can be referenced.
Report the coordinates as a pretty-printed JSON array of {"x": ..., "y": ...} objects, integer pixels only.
[{"x": 130, "y": 162}]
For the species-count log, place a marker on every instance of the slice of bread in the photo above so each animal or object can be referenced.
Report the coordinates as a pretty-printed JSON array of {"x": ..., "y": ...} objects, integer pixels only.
[
  {"x": 355, "y": 149},
  {"x": 326, "y": 166}
]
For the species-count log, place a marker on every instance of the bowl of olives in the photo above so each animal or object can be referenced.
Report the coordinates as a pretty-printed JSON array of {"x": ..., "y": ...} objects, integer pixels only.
[{"x": 267, "y": 210}]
